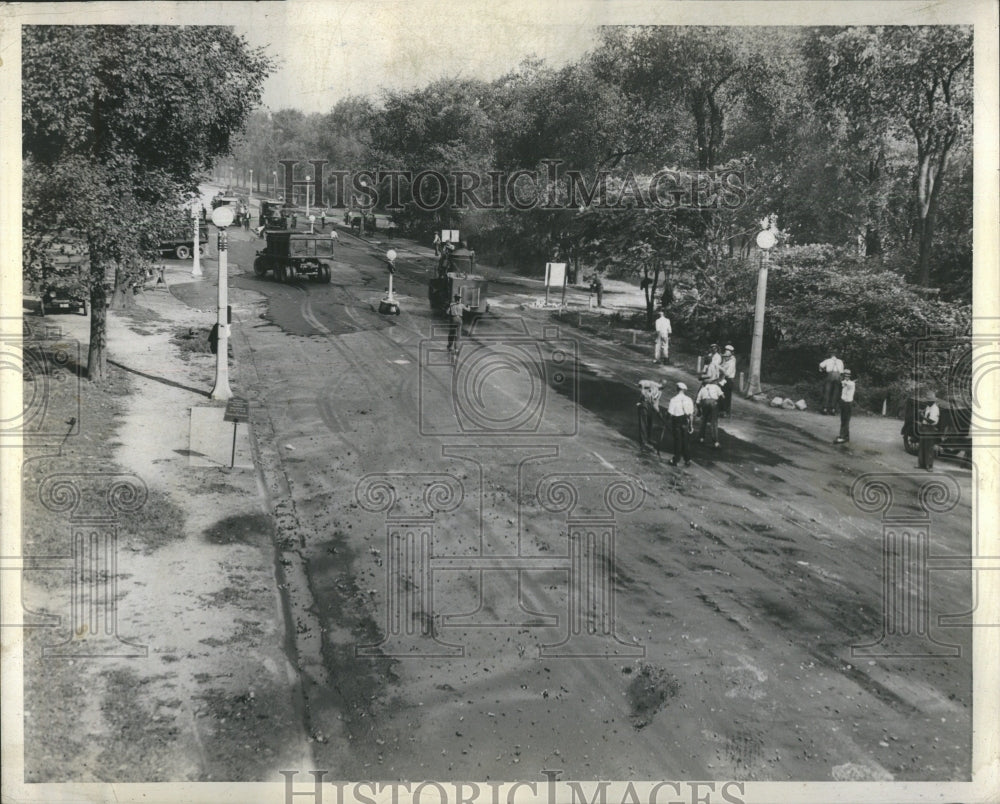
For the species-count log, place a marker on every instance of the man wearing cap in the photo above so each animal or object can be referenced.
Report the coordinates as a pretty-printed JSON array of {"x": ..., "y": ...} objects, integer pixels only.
[
  {"x": 728, "y": 377},
  {"x": 680, "y": 409},
  {"x": 831, "y": 369},
  {"x": 455, "y": 312},
  {"x": 713, "y": 361},
  {"x": 662, "y": 347},
  {"x": 707, "y": 402},
  {"x": 846, "y": 405},
  {"x": 648, "y": 408},
  {"x": 927, "y": 426}
]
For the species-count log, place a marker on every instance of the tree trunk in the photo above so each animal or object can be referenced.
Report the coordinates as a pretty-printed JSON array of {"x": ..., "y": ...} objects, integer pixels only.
[
  {"x": 649, "y": 289},
  {"x": 929, "y": 176},
  {"x": 96, "y": 359}
]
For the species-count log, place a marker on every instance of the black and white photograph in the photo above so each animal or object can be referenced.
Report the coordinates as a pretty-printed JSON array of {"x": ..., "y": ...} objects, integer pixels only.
[{"x": 564, "y": 402}]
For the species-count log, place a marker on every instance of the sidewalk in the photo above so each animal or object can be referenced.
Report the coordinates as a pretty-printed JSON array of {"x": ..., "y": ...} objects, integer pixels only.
[{"x": 215, "y": 696}]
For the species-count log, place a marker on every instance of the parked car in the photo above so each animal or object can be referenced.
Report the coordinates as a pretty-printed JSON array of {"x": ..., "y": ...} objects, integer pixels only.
[
  {"x": 63, "y": 285},
  {"x": 953, "y": 436},
  {"x": 291, "y": 255}
]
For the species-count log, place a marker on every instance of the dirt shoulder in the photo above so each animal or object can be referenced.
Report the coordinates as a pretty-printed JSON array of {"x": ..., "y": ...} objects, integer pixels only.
[{"x": 192, "y": 682}]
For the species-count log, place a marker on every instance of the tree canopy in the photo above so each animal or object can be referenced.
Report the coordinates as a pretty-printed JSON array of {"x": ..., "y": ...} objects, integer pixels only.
[{"x": 114, "y": 145}]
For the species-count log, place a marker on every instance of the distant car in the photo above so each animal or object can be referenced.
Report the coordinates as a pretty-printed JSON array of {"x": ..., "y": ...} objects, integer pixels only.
[
  {"x": 290, "y": 255},
  {"x": 182, "y": 246},
  {"x": 58, "y": 299},
  {"x": 953, "y": 436},
  {"x": 272, "y": 215},
  {"x": 473, "y": 288},
  {"x": 63, "y": 284}
]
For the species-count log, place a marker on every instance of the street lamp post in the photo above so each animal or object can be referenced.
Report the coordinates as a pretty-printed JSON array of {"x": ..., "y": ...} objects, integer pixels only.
[
  {"x": 250, "y": 192},
  {"x": 765, "y": 242},
  {"x": 222, "y": 217},
  {"x": 308, "y": 187},
  {"x": 389, "y": 305},
  {"x": 274, "y": 182},
  {"x": 196, "y": 220}
]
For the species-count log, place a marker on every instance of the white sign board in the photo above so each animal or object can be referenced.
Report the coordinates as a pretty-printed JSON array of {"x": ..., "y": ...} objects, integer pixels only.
[
  {"x": 555, "y": 274},
  {"x": 449, "y": 236}
]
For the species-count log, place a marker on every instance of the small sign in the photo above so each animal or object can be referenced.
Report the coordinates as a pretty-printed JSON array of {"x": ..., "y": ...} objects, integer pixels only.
[
  {"x": 449, "y": 236},
  {"x": 555, "y": 274},
  {"x": 237, "y": 410}
]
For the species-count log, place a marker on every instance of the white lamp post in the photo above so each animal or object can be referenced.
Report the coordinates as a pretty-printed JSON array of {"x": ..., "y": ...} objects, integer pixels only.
[
  {"x": 250, "y": 192},
  {"x": 765, "y": 242},
  {"x": 222, "y": 217},
  {"x": 308, "y": 187},
  {"x": 274, "y": 182},
  {"x": 196, "y": 220},
  {"x": 389, "y": 305},
  {"x": 312, "y": 224}
]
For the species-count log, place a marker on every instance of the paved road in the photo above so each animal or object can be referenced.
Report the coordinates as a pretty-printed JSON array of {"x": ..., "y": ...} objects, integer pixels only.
[{"x": 739, "y": 585}]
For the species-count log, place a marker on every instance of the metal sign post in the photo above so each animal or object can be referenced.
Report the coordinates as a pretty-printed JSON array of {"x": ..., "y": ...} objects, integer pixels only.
[{"x": 237, "y": 410}]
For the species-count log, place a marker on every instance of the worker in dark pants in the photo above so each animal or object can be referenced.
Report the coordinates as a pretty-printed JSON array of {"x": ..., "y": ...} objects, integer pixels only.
[
  {"x": 927, "y": 430},
  {"x": 846, "y": 406},
  {"x": 456, "y": 310},
  {"x": 680, "y": 409},
  {"x": 728, "y": 376},
  {"x": 707, "y": 403},
  {"x": 649, "y": 412}
]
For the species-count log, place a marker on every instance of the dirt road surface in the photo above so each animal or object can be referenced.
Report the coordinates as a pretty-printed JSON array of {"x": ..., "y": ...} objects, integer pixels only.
[{"x": 487, "y": 579}]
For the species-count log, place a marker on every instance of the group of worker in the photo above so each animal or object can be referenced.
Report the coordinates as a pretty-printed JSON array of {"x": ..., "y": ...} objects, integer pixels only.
[{"x": 713, "y": 400}]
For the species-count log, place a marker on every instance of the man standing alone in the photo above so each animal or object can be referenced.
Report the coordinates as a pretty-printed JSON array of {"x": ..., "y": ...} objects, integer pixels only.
[
  {"x": 831, "y": 368},
  {"x": 927, "y": 429},
  {"x": 681, "y": 412},
  {"x": 846, "y": 404},
  {"x": 455, "y": 312},
  {"x": 663, "y": 331}
]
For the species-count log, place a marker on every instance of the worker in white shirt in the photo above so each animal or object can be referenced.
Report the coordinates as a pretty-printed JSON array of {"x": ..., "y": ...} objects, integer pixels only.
[
  {"x": 707, "y": 403},
  {"x": 648, "y": 409},
  {"x": 662, "y": 346},
  {"x": 727, "y": 380},
  {"x": 713, "y": 360},
  {"x": 846, "y": 405},
  {"x": 927, "y": 429},
  {"x": 831, "y": 369},
  {"x": 680, "y": 409}
]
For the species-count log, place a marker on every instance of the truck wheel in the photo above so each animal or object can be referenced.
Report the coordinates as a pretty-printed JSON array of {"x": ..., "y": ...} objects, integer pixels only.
[
  {"x": 182, "y": 252},
  {"x": 290, "y": 273},
  {"x": 911, "y": 444},
  {"x": 260, "y": 266},
  {"x": 325, "y": 274},
  {"x": 279, "y": 273}
]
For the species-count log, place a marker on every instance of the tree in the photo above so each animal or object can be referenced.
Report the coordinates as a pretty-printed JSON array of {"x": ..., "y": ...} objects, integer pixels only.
[
  {"x": 114, "y": 146},
  {"x": 914, "y": 81},
  {"x": 693, "y": 82}
]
